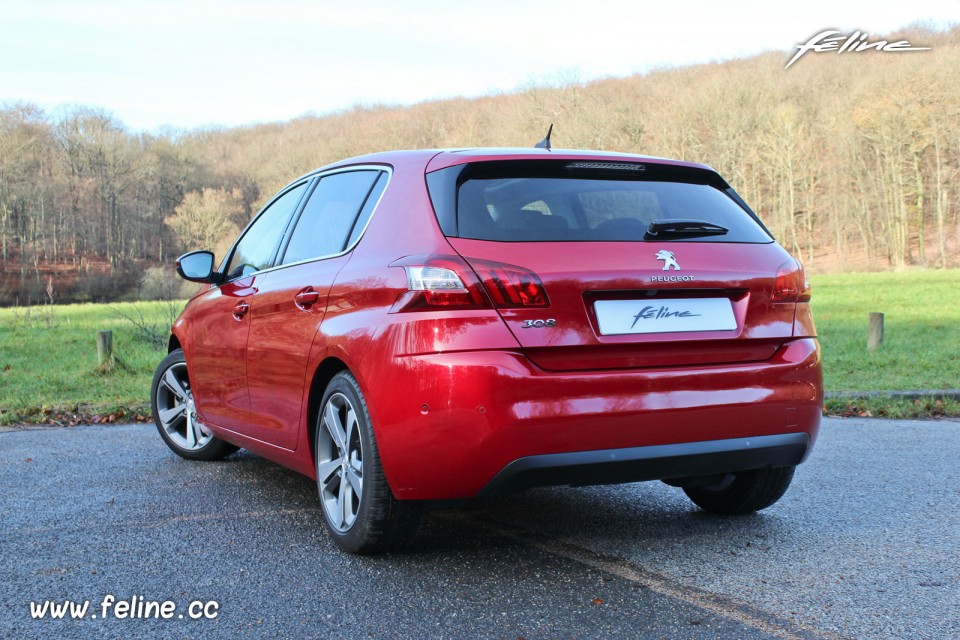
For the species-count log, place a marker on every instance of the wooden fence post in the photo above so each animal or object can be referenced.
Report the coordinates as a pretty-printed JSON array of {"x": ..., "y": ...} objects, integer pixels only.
[
  {"x": 875, "y": 331},
  {"x": 104, "y": 349}
]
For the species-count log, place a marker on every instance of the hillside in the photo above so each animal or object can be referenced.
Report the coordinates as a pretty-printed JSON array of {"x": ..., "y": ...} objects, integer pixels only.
[{"x": 853, "y": 161}]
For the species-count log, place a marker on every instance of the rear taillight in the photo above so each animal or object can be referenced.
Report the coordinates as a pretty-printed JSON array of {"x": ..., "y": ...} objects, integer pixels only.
[
  {"x": 447, "y": 282},
  {"x": 439, "y": 282},
  {"x": 791, "y": 284},
  {"x": 509, "y": 286}
]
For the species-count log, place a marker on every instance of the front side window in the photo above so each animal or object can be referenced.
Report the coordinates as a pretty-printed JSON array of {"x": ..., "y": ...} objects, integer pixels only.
[
  {"x": 329, "y": 216},
  {"x": 258, "y": 246}
]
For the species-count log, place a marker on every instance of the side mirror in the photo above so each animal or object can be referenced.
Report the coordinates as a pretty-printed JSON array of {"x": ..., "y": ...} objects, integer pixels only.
[{"x": 197, "y": 266}]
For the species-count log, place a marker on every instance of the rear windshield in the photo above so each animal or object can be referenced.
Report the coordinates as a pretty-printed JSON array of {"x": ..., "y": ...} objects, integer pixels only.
[{"x": 559, "y": 201}]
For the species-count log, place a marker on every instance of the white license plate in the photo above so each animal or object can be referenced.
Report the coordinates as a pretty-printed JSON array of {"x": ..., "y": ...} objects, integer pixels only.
[{"x": 619, "y": 317}]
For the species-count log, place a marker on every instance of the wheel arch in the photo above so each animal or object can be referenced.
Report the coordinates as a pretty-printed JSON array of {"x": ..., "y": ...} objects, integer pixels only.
[{"x": 329, "y": 367}]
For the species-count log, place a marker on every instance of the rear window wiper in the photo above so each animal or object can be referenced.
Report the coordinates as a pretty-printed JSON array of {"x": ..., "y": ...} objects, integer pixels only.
[{"x": 659, "y": 229}]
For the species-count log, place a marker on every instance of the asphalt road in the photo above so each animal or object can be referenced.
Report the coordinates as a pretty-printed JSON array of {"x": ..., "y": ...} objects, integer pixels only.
[{"x": 866, "y": 544}]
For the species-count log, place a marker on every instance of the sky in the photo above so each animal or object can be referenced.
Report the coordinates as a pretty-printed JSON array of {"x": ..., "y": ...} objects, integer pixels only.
[{"x": 196, "y": 63}]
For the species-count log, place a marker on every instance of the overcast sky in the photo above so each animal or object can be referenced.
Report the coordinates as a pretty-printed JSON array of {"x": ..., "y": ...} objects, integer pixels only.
[{"x": 196, "y": 63}]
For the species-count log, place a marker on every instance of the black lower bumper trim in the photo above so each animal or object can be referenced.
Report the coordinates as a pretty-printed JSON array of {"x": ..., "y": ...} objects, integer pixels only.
[{"x": 660, "y": 462}]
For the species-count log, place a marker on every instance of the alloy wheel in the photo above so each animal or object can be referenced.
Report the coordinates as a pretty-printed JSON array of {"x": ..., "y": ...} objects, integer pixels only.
[
  {"x": 340, "y": 462},
  {"x": 176, "y": 411}
]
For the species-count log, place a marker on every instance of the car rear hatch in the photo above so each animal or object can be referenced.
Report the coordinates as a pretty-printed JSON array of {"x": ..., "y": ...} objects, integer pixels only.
[{"x": 606, "y": 265}]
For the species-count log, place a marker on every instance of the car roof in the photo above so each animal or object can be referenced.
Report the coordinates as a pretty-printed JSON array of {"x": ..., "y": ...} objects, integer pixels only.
[
  {"x": 434, "y": 159},
  {"x": 460, "y": 156}
]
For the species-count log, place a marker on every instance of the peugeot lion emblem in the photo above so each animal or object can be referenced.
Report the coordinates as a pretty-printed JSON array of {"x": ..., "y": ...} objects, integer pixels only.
[{"x": 669, "y": 260}]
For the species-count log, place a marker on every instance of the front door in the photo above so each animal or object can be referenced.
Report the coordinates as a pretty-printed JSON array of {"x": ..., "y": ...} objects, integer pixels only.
[
  {"x": 217, "y": 363},
  {"x": 220, "y": 322}
]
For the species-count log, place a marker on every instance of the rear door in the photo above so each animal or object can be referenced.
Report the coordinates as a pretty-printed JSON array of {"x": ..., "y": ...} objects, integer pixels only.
[
  {"x": 292, "y": 300},
  {"x": 698, "y": 290}
]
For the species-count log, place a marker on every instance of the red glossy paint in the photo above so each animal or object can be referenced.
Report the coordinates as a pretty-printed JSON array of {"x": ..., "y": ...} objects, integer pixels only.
[
  {"x": 217, "y": 346},
  {"x": 283, "y": 323},
  {"x": 455, "y": 395}
]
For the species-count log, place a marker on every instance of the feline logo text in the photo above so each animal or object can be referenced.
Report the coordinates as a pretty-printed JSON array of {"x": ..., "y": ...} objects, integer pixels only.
[{"x": 853, "y": 43}]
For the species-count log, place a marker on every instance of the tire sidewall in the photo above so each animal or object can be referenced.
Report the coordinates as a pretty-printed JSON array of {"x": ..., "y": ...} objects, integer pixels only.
[{"x": 750, "y": 491}]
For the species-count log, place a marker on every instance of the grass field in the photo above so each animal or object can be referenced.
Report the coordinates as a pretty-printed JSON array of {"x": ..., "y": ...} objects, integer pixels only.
[
  {"x": 48, "y": 367},
  {"x": 921, "y": 348},
  {"x": 48, "y": 359}
]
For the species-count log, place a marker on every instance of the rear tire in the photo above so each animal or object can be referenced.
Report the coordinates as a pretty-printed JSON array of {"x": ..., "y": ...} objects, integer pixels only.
[
  {"x": 358, "y": 507},
  {"x": 750, "y": 491}
]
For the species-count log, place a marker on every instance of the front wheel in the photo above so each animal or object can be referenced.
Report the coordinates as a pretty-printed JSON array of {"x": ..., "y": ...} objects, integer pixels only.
[
  {"x": 748, "y": 491},
  {"x": 171, "y": 399},
  {"x": 359, "y": 509}
]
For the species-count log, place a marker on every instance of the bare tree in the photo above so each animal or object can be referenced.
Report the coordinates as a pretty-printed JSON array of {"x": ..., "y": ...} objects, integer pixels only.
[{"x": 206, "y": 218}]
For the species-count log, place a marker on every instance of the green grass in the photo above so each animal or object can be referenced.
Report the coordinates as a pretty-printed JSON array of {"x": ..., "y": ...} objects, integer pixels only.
[
  {"x": 921, "y": 345},
  {"x": 48, "y": 356},
  {"x": 48, "y": 359}
]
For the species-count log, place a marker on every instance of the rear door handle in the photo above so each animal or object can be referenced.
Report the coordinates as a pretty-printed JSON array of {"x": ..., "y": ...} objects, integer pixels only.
[
  {"x": 240, "y": 310},
  {"x": 306, "y": 298}
]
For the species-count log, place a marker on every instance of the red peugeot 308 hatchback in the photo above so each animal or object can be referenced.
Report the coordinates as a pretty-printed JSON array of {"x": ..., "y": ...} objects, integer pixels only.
[{"x": 433, "y": 325}]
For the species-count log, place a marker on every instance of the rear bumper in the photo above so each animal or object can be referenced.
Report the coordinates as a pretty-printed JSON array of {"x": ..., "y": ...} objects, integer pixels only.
[
  {"x": 454, "y": 425},
  {"x": 658, "y": 462}
]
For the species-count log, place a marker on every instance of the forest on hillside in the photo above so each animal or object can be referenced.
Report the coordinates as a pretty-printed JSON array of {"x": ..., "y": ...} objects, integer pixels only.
[{"x": 853, "y": 161}]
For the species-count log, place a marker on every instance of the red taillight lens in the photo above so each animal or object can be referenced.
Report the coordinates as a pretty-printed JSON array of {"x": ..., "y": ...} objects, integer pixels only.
[
  {"x": 791, "y": 284},
  {"x": 447, "y": 282},
  {"x": 439, "y": 282},
  {"x": 509, "y": 286}
]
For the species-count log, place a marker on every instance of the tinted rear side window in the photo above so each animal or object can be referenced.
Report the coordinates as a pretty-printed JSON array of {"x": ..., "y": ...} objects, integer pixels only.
[
  {"x": 328, "y": 218},
  {"x": 368, "y": 208},
  {"x": 538, "y": 202}
]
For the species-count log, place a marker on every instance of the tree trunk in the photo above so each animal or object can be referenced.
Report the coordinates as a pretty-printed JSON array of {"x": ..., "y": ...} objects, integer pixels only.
[
  {"x": 4, "y": 214},
  {"x": 921, "y": 222},
  {"x": 941, "y": 232}
]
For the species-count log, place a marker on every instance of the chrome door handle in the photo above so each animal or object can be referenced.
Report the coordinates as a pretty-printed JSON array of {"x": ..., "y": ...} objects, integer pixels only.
[{"x": 306, "y": 298}]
